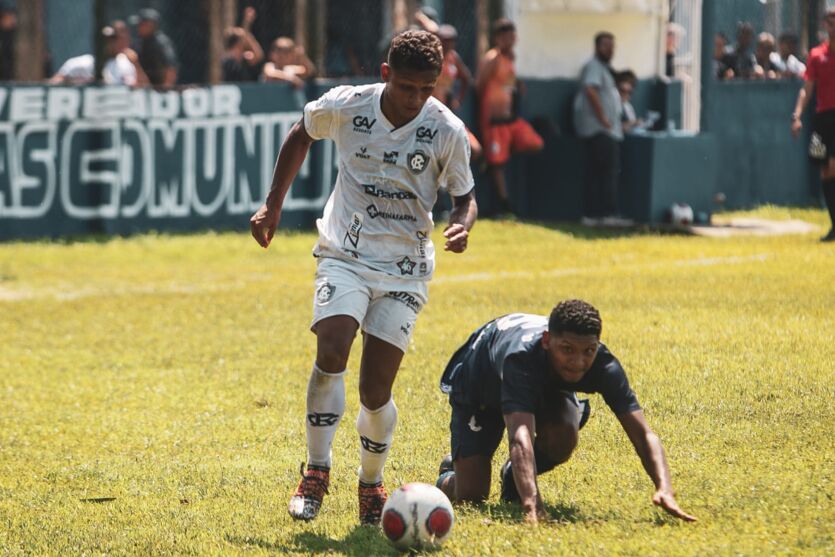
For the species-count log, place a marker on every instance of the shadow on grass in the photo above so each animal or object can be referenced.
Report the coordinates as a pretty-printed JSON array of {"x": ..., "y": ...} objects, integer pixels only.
[
  {"x": 509, "y": 512},
  {"x": 361, "y": 541}
]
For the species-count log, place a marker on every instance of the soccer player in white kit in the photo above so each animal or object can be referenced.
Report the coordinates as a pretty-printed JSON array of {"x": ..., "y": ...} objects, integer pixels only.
[{"x": 397, "y": 146}]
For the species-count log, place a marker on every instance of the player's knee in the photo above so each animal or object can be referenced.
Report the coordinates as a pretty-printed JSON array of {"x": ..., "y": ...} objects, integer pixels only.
[
  {"x": 373, "y": 396},
  {"x": 332, "y": 350}
]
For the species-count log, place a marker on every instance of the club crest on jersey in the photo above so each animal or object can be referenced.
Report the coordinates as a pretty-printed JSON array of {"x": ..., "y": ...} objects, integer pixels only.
[
  {"x": 324, "y": 293},
  {"x": 425, "y": 135},
  {"x": 362, "y": 124},
  {"x": 417, "y": 161}
]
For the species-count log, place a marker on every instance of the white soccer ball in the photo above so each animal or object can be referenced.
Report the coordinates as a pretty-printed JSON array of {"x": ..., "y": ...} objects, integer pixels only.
[
  {"x": 681, "y": 214},
  {"x": 417, "y": 516}
]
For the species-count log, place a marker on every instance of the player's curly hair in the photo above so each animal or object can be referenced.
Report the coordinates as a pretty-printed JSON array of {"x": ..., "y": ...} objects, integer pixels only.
[
  {"x": 417, "y": 51},
  {"x": 575, "y": 316}
]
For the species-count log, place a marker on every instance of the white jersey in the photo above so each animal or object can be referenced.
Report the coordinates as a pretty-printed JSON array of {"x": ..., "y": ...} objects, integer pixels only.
[
  {"x": 119, "y": 71},
  {"x": 380, "y": 211}
]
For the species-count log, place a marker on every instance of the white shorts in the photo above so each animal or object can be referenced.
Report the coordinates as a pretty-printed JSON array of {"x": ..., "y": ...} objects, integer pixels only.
[{"x": 383, "y": 306}]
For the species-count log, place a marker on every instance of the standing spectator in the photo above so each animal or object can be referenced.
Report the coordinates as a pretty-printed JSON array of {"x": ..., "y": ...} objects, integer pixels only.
[
  {"x": 289, "y": 63},
  {"x": 156, "y": 51},
  {"x": 454, "y": 70},
  {"x": 8, "y": 30},
  {"x": 741, "y": 56},
  {"x": 118, "y": 69},
  {"x": 722, "y": 61},
  {"x": 242, "y": 52},
  {"x": 675, "y": 32},
  {"x": 123, "y": 41},
  {"x": 763, "y": 52},
  {"x": 820, "y": 79},
  {"x": 503, "y": 131},
  {"x": 784, "y": 60},
  {"x": 597, "y": 119}
]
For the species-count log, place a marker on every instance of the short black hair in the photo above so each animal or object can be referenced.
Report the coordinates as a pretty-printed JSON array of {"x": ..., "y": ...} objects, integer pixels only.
[
  {"x": 418, "y": 51},
  {"x": 503, "y": 25},
  {"x": 575, "y": 316},
  {"x": 600, "y": 37},
  {"x": 626, "y": 75}
]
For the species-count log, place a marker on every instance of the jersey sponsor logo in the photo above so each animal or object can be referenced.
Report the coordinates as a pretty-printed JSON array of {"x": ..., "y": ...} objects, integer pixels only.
[
  {"x": 423, "y": 239},
  {"x": 406, "y": 266},
  {"x": 324, "y": 293},
  {"x": 322, "y": 419},
  {"x": 362, "y": 124},
  {"x": 363, "y": 154},
  {"x": 405, "y": 298},
  {"x": 372, "y": 190},
  {"x": 406, "y": 328},
  {"x": 417, "y": 161},
  {"x": 374, "y": 212},
  {"x": 390, "y": 158},
  {"x": 352, "y": 236},
  {"x": 474, "y": 425},
  {"x": 372, "y": 446},
  {"x": 425, "y": 135}
]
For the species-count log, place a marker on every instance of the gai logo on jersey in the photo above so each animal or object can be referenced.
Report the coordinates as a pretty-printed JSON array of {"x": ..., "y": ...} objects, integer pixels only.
[
  {"x": 417, "y": 161},
  {"x": 362, "y": 124}
]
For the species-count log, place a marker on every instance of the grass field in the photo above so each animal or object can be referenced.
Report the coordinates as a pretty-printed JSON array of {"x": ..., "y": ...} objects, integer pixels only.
[{"x": 168, "y": 373}]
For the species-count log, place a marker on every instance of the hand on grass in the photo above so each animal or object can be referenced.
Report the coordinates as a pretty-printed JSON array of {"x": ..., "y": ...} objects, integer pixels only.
[
  {"x": 536, "y": 515},
  {"x": 263, "y": 224},
  {"x": 456, "y": 236},
  {"x": 666, "y": 501}
]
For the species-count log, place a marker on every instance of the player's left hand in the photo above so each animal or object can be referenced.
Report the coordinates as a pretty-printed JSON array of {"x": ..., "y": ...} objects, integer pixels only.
[
  {"x": 456, "y": 236},
  {"x": 666, "y": 501}
]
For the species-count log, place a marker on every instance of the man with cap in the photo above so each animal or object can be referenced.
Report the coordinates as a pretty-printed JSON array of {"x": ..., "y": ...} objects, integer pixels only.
[{"x": 155, "y": 49}]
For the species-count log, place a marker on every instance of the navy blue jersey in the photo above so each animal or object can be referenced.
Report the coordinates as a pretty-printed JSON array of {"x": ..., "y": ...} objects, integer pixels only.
[{"x": 504, "y": 367}]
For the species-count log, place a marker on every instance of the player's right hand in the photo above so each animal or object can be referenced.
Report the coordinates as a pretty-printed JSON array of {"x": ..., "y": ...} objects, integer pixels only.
[
  {"x": 797, "y": 125},
  {"x": 263, "y": 224}
]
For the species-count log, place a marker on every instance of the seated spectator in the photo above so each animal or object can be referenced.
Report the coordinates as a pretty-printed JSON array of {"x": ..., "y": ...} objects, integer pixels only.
[
  {"x": 625, "y": 82},
  {"x": 118, "y": 69},
  {"x": 288, "y": 63},
  {"x": 242, "y": 53},
  {"x": 78, "y": 70},
  {"x": 784, "y": 60},
  {"x": 123, "y": 38},
  {"x": 765, "y": 48},
  {"x": 722, "y": 61},
  {"x": 155, "y": 49},
  {"x": 741, "y": 56}
]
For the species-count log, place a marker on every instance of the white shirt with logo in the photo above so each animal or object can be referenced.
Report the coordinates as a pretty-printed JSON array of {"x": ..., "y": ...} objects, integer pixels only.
[{"x": 380, "y": 211}]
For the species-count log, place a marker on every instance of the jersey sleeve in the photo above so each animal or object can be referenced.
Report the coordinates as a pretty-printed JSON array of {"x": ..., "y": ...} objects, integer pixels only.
[
  {"x": 456, "y": 176},
  {"x": 614, "y": 386},
  {"x": 811, "y": 69},
  {"x": 520, "y": 388},
  {"x": 592, "y": 75},
  {"x": 321, "y": 116}
]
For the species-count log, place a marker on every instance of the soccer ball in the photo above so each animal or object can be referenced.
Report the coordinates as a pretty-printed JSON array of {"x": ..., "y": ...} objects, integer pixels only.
[{"x": 417, "y": 516}]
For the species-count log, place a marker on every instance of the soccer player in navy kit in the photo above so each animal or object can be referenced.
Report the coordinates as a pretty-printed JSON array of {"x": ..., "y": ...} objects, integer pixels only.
[
  {"x": 397, "y": 147},
  {"x": 521, "y": 372}
]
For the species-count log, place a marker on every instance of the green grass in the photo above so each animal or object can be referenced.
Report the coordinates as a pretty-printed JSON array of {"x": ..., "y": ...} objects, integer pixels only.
[{"x": 169, "y": 372}]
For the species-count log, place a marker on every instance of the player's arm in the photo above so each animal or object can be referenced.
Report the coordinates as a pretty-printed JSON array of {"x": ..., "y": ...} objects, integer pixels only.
[
  {"x": 465, "y": 77},
  {"x": 803, "y": 97},
  {"x": 649, "y": 449},
  {"x": 486, "y": 72},
  {"x": 290, "y": 158},
  {"x": 521, "y": 428},
  {"x": 461, "y": 221}
]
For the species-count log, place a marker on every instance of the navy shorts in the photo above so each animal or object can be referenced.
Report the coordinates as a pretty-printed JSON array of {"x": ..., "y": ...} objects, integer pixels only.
[{"x": 476, "y": 430}]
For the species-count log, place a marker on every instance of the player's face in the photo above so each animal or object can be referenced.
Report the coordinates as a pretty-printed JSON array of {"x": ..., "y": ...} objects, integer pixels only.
[
  {"x": 408, "y": 91},
  {"x": 569, "y": 354}
]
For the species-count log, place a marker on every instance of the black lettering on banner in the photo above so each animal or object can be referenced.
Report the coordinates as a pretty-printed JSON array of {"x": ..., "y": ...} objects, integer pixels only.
[
  {"x": 322, "y": 419},
  {"x": 372, "y": 446}
]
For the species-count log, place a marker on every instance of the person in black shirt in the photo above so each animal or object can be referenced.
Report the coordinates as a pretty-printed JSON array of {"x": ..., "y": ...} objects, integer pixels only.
[
  {"x": 155, "y": 49},
  {"x": 521, "y": 372},
  {"x": 242, "y": 53}
]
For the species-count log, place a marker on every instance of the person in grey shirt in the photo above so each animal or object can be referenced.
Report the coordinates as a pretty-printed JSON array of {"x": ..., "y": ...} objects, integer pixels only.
[{"x": 597, "y": 119}]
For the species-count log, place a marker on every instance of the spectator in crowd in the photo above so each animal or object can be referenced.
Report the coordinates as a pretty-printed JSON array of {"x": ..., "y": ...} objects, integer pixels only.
[
  {"x": 242, "y": 52},
  {"x": 598, "y": 121},
  {"x": 503, "y": 131},
  {"x": 123, "y": 40},
  {"x": 675, "y": 32},
  {"x": 454, "y": 70},
  {"x": 820, "y": 80},
  {"x": 155, "y": 50},
  {"x": 289, "y": 63},
  {"x": 78, "y": 70},
  {"x": 741, "y": 55},
  {"x": 722, "y": 61},
  {"x": 8, "y": 30},
  {"x": 625, "y": 82},
  {"x": 784, "y": 60},
  {"x": 765, "y": 48}
]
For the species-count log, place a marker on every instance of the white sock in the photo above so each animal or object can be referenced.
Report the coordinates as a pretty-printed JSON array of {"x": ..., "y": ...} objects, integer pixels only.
[
  {"x": 376, "y": 429},
  {"x": 325, "y": 406}
]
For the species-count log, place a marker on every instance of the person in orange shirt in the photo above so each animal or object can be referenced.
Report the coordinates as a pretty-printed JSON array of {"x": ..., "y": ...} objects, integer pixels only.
[
  {"x": 454, "y": 69},
  {"x": 503, "y": 131}
]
